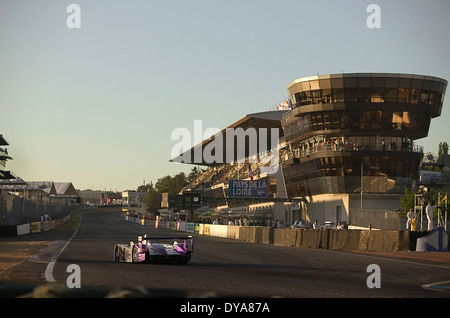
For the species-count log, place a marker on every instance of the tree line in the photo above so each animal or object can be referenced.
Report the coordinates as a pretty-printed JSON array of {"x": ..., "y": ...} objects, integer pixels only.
[
  {"x": 407, "y": 201},
  {"x": 167, "y": 184}
]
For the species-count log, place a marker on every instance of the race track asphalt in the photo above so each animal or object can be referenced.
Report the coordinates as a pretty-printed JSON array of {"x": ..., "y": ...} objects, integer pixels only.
[{"x": 220, "y": 267}]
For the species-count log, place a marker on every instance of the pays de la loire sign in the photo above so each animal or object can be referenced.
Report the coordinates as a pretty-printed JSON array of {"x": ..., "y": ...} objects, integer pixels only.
[{"x": 247, "y": 188}]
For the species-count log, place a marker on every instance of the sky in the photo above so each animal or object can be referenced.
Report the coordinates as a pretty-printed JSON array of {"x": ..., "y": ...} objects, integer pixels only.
[{"x": 97, "y": 105}]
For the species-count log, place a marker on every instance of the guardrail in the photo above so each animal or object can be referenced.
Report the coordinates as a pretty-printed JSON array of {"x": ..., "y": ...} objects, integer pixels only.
[{"x": 369, "y": 240}]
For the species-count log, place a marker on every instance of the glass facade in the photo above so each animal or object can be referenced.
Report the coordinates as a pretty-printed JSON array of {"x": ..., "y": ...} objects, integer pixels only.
[
  {"x": 368, "y": 95},
  {"x": 387, "y": 122},
  {"x": 340, "y": 124},
  {"x": 368, "y": 88}
]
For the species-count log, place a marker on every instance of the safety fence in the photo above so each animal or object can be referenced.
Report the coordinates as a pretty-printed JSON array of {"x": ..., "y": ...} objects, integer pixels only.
[
  {"x": 377, "y": 218},
  {"x": 15, "y": 210},
  {"x": 370, "y": 240},
  {"x": 33, "y": 227}
]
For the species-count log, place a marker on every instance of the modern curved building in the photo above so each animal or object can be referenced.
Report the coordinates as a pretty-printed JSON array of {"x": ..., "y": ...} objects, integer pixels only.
[{"x": 354, "y": 134}]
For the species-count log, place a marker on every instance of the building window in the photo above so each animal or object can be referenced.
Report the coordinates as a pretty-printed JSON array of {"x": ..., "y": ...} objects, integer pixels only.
[
  {"x": 338, "y": 95},
  {"x": 423, "y": 98},
  {"x": 363, "y": 95},
  {"x": 414, "y": 96},
  {"x": 403, "y": 95},
  {"x": 326, "y": 96},
  {"x": 391, "y": 95},
  {"x": 315, "y": 97},
  {"x": 308, "y": 98},
  {"x": 377, "y": 95}
]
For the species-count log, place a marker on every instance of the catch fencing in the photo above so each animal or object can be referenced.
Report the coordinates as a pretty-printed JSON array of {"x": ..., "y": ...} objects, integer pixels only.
[
  {"x": 377, "y": 218},
  {"x": 15, "y": 210}
]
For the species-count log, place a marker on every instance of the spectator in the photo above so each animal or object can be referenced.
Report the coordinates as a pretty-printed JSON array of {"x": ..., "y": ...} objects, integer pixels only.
[
  {"x": 429, "y": 211},
  {"x": 393, "y": 146},
  {"x": 411, "y": 221},
  {"x": 316, "y": 225}
]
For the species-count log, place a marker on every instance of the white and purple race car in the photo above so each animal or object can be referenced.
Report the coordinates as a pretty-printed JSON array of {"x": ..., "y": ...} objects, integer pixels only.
[{"x": 154, "y": 250}]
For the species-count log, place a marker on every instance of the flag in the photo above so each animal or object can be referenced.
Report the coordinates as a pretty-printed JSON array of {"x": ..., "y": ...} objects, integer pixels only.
[{"x": 443, "y": 200}]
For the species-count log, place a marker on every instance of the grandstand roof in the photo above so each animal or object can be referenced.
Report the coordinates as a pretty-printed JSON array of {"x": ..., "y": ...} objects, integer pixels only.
[
  {"x": 46, "y": 186},
  {"x": 268, "y": 119},
  {"x": 12, "y": 183},
  {"x": 3, "y": 141},
  {"x": 49, "y": 187}
]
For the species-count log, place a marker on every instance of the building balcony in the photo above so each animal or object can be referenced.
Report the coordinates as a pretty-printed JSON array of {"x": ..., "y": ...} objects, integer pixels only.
[{"x": 345, "y": 148}]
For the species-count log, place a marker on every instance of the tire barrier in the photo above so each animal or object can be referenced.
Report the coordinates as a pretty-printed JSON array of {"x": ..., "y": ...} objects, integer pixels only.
[{"x": 368, "y": 240}]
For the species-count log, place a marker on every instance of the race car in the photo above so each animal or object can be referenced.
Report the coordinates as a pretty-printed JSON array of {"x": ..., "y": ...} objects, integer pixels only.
[{"x": 153, "y": 250}]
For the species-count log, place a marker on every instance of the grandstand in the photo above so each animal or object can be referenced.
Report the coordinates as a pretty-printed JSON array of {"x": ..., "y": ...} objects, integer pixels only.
[{"x": 213, "y": 181}]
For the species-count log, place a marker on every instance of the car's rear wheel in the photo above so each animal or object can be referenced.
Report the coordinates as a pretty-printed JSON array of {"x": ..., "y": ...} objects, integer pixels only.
[
  {"x": 116, "y": 253},
  {"x": 134, "y": 254},
  {"x": 185, "y": 259}
]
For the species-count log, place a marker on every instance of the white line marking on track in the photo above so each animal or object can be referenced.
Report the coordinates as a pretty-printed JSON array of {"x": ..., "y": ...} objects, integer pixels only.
[
  {"x": 49, "y": 270},
  {"x": 439, "y": 286},
  {"x": 418, "y": 262}
]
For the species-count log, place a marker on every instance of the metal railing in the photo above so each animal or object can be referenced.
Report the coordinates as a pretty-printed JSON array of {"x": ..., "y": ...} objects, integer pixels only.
[{"x": 351, "y": 147}]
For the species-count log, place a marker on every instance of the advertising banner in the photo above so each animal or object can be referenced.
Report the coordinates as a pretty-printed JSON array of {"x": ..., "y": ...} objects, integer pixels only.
[{"x": 247, "y": 188}]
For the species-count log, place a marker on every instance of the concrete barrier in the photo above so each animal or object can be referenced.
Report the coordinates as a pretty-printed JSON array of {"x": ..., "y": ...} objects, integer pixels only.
[
  {"x": 345, "y": 239},
  {"x": 218, "y": 230},
  {"x": 267, "y": 235},
  {"x": 33, "y": 227},
  {"x": 8, "y": 230},
  {"x": 285, "y": 237},
  {"x": 371, "y": 240},
  {"x": 233, "y": 232},
  {"x": 206, "y": 229},
  {"x": 23, "y": 229},
  {"x": 384, "y": 240},
  {"x": 247, "y": 233},
  {"x": 259, "y": 234}
]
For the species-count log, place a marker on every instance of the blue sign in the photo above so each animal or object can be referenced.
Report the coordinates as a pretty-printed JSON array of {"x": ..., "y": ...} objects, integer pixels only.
[{"x": 247, "y": 188}]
